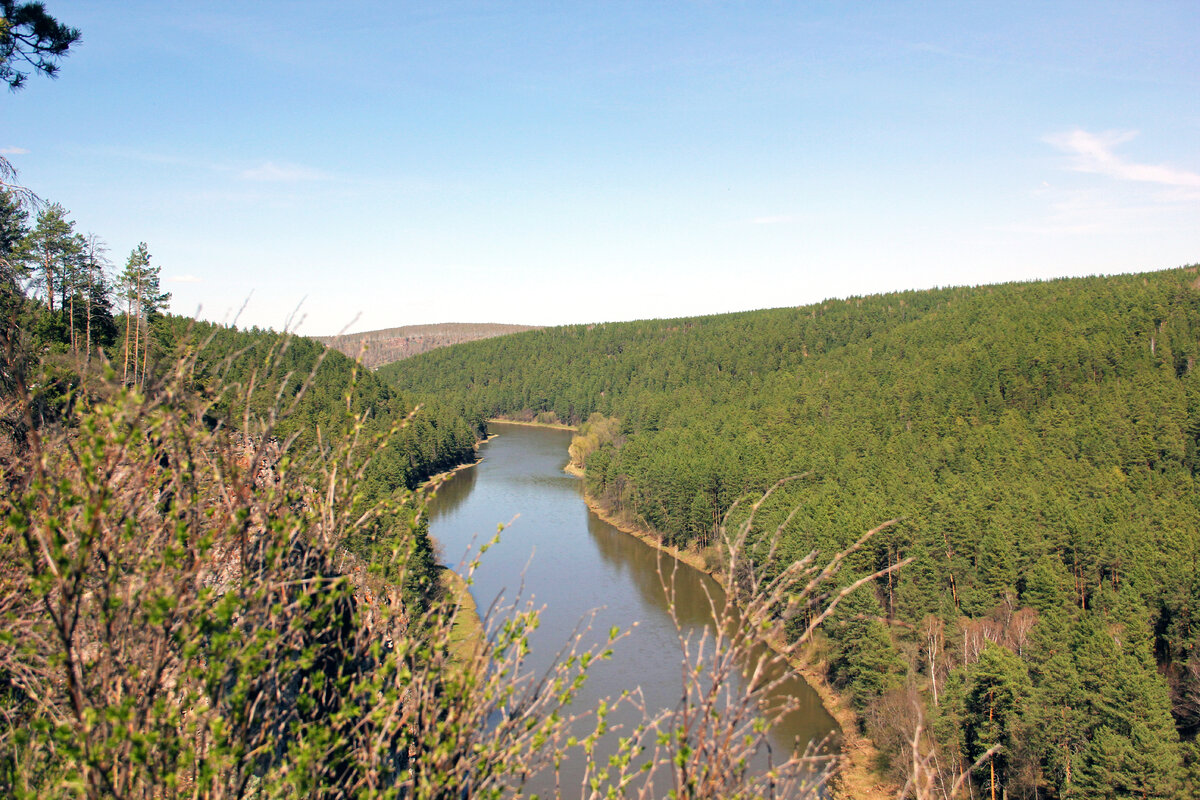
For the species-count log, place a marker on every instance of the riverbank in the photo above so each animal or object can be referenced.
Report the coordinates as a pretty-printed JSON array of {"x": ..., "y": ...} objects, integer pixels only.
[
  {"x": 467, "y": 634},
  {"x": 857, "y": 778},
  {"x": 433, "y": 481},
  {"x": 558, "y": 426}
]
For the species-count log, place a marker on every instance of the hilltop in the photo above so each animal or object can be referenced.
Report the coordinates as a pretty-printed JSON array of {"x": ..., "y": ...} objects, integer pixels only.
[
  {"x": 1039, "y": 441},
  {"x": 395, "y": 344}
]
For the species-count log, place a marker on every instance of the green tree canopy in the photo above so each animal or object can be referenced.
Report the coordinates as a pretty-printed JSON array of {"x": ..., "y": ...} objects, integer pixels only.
[{"x": 31, "y": 41}]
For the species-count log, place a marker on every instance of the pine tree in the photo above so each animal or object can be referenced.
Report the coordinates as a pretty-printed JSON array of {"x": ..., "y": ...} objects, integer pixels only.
[
  {"x": 995, "y": 568},
  {"x": 1048, "y": 585},
  {"x": 13, "y": 269},
  {"x": 13, "y": 218},
  {"x": 143, "y": 300},
  {"x": 130, "y": 287},
  {"x": 98, "y": 323},
  {"x": 1059, "y": 722},
  {"x": 153, "y": 302},
  {"x": 997, "y": 692},
  {"x": 1134, "y": 749},
  {"x": 31, "y": 40},
  {"x": 51, "y": 246},
  {"x": 866, "y": 661},
  {"x": 74, "y": 287}
]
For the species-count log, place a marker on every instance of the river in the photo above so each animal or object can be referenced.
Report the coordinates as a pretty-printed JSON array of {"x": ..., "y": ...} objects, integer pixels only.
[{"x": 564, "y": 558}]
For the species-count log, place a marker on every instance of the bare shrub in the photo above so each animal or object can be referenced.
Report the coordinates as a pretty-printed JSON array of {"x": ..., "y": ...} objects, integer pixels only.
[
  {"x": 929, "y": 776},
  {"x": 181, "y": 618},
  {"x": 714, "y": 742}
]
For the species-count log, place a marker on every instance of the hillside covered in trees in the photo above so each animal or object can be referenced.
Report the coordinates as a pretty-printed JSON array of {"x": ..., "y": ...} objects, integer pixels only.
[
  {"x": 1040, "y": 443},
  {"x": 72, "y": 316},
  {"x": 395, "y": 344},
  {"x": 216, "y": 580}
]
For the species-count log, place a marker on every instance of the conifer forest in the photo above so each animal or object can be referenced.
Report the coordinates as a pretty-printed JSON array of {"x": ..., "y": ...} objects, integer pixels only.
[
  {"x": 968, "y": 516},
  {"x": 1038, "y": 442}
]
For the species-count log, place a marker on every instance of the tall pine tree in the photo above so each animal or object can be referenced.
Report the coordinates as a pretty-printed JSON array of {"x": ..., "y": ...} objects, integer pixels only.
[
  {"x": 51, "y": 248},
  {"x": 144, "y": 299},
  {"x": 998, "y": 690}
]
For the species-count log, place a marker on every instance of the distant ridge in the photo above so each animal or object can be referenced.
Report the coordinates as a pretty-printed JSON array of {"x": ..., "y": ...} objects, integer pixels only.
[{"x": 395, "y": 344}]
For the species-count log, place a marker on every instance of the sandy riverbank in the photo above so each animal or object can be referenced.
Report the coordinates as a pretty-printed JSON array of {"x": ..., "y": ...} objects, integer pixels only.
[
  {"x": 468, "y": 634},
  {"x": 857, "y": 778},
  {"x": 555, "y": 425}
]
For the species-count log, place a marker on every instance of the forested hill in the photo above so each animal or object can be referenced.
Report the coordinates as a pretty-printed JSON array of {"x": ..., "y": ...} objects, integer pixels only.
[
  {"x": 315, "y": 396},
  {"x": 1039, "y": 441},
  {"x": 394, "y": 344},
  {"x": 435, "y": 439}
]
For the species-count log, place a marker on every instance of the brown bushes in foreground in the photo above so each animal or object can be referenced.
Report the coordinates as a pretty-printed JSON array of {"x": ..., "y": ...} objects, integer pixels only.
[{"x": 180, "y": 620}]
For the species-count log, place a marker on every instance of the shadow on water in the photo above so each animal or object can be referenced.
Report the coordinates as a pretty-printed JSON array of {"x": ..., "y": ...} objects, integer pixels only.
[
  {"x": 696, "y": 597},
  {"x": 641, "y": 565},
  {"x": 455, "y": 490},
  {"x": 568, "y": 560}
]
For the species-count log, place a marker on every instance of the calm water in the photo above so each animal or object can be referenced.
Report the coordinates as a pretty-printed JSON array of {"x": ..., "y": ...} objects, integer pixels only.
[{"x": 569, "y": 561}]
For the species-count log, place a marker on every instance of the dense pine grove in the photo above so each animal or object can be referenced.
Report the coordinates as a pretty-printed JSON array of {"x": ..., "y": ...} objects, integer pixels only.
[
  {"x": 1039, "y": 442},
  {"x": 437, "y": 437}
]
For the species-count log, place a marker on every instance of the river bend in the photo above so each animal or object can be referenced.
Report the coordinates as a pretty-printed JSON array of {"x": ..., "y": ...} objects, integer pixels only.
[{"x": 558, "y": 553}]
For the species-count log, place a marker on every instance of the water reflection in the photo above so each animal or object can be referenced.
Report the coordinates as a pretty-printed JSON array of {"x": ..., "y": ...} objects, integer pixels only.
[
  {"x": 574, "y": 563},
  {"x": 641, "y": 565},
  {"x": 455, "y": 490}
]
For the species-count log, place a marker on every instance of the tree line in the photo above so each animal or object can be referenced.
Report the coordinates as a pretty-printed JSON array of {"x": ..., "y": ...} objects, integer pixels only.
[
  {"x": 1040, "y": 443},
  {"x": 71, "y": 316},
  {"x": 217, "y": 581},
  {"x": 69, "y": 273}
]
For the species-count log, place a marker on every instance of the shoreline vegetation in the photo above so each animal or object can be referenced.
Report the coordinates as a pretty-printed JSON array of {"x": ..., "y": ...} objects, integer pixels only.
[
  {"x": 857, "y": 779},
  {"x": 434, "y": 481}
]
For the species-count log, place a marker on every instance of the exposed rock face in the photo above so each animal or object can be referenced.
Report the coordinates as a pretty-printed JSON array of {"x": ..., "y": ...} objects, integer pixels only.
[{"x": 394, "y": 344}]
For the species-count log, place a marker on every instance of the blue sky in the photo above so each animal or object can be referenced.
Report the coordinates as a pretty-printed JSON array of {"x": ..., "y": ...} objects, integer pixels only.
[{"x": 377, "y": 164}]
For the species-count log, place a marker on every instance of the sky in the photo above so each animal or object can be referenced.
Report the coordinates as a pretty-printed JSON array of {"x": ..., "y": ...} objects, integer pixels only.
[{"x": 361, "y": 165}]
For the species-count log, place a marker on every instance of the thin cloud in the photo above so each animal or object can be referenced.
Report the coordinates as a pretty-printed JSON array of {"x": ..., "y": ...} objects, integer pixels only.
[
  {"x": 1094, "y": 153},
  {"x": 13, "y": 151},
  {"x": 775, "y": 220},
  {"x": 147, "y": 156},
  {"x": 1103, "y": 211},
  {"x": 184, "y": 279},
  {"x": 270, "y": 172}
]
